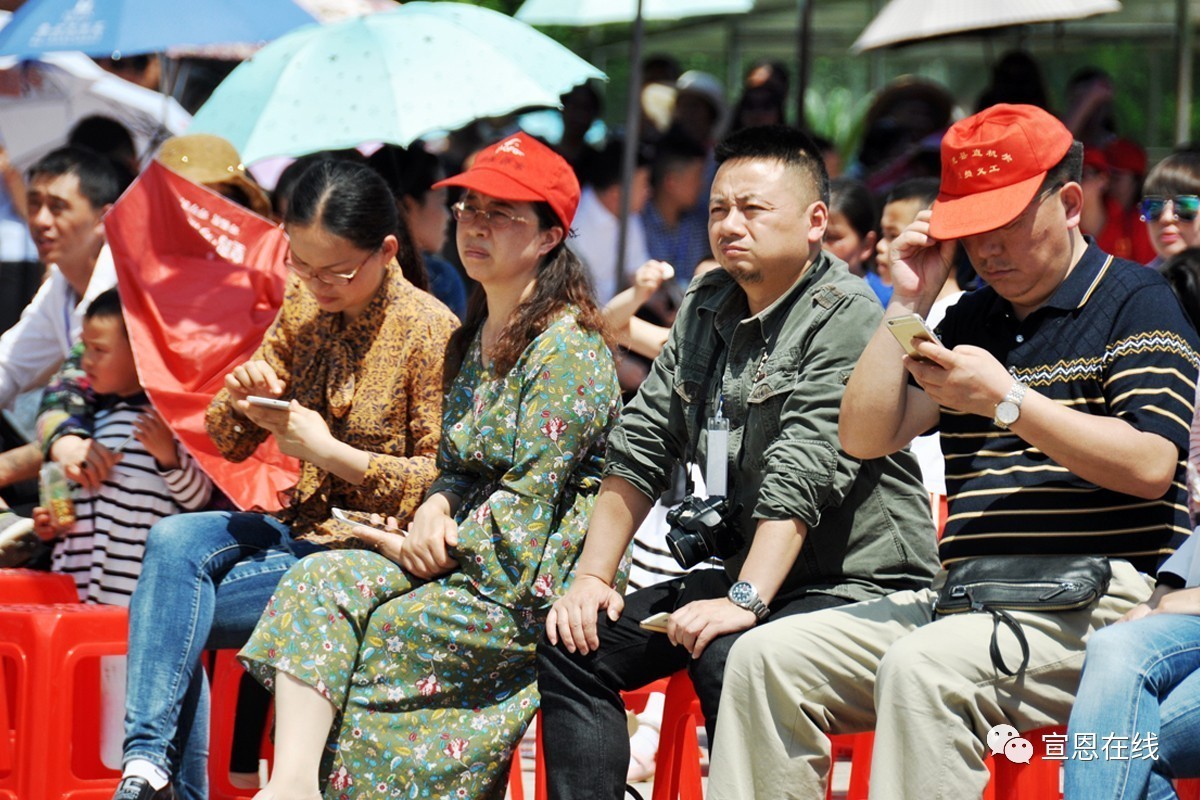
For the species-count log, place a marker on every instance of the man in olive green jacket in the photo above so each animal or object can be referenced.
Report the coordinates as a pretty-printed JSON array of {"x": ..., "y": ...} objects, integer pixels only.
[{"x": 766, "y": 343}]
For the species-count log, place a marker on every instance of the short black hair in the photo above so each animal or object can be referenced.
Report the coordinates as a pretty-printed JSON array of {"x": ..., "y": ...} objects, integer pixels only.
[
  {"x": 923, "y": 189},
  {"x": 601, "y": 168},
  {"x": 409, "y": 172},
  {"x": 106, "y": 136},
  {"x": 105, "y": 304},
  {"x": 782, "y": 143},
  {"x": 1069, "y": 169},
  {"x": 1182, "y": 271},
  {"x": 99, "y": 180},
  {"x": 672, "y": 153},
  {"x": 852, "y": 199}
]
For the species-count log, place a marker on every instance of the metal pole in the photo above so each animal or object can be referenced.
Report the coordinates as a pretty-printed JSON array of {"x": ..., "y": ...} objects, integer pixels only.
[
  {"x": 633, "y": 123},
  {"x": 733, "y": 53},
  {"x": 1185, "y": 56},
  {"x": 803, "y": 60}
]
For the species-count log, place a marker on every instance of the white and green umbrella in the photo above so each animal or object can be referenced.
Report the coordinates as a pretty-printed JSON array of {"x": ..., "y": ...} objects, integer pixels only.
[{"x": 391, "y": 77}]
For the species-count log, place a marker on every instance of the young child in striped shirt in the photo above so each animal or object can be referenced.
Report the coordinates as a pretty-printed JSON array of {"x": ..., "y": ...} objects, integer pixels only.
[{"x": 151, "y": 475}]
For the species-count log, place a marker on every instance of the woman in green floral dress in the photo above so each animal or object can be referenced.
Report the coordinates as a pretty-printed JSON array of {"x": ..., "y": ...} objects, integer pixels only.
[{"x": 419, "y": 656}]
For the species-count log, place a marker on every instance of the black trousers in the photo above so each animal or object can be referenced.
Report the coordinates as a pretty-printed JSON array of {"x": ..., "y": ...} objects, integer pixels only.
[{"x": 584, "y": 736}]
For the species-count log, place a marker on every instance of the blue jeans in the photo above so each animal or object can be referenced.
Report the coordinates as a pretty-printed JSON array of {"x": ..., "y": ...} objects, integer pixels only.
[
  {"x": 205, "y": 580},
  {"x": 1143, "y": 678}
]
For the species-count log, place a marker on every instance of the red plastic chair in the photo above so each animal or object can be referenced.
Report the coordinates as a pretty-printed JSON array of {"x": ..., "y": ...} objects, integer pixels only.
[
  {"x": 677, "y": 771},
  {"x": 50, "y": 712},
  {"x": 35, "y": 586},
  {"x": 939, "y": 508},
  {"x": 516, "y": 784},
  {"x": 855, "y": 748},
  {"x": 226, "y": 675},
  {"x": 1188, "y": 789},
  {"x": 677, "y": 775},
  {"x": 1040, "y": 779}
]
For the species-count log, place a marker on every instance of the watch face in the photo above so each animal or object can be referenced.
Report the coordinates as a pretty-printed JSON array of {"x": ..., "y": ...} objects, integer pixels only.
[
  {"x": 742, "y": 593},
  {"x": 1008, "y": 412}
]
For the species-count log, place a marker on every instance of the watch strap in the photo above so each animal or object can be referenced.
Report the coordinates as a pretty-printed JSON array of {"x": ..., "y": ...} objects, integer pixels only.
[
  {"x": 1014, "y": 397},
  {"x": 754, "y": 605}
]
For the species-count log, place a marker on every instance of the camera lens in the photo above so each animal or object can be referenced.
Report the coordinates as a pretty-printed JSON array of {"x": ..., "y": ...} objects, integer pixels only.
[{"x": 687, "y": 548}]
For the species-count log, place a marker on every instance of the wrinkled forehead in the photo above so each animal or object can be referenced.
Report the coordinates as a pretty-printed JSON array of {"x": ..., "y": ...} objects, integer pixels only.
[{"x": 741, "y": 179}]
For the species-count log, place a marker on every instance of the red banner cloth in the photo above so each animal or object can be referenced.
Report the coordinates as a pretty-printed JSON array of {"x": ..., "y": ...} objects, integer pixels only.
[{"x": 201, "y": 280}]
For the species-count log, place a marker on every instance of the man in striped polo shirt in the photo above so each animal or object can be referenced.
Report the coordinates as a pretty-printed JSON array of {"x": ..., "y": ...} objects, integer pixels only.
[{"x": 1063, "y": 393}]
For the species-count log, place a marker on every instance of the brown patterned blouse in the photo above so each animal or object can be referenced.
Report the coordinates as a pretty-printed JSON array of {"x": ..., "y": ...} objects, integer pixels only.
[{"x": 377, "y": 382}]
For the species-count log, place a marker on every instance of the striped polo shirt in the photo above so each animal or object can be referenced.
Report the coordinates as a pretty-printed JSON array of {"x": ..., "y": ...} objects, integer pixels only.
[{"x": 1111, "y": 341}]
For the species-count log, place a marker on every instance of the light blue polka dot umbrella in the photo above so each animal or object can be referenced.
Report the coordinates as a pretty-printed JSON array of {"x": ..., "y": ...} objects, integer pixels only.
[{"x": 388, "y": 77}]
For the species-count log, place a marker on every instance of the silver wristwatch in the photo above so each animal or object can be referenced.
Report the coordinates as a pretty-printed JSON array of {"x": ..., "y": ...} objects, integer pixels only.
[
  {"x": 1008, "y": 410},
  {"x": 744, "y": 595}
]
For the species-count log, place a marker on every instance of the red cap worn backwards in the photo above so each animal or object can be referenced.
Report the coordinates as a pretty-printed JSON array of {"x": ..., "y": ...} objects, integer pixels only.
[
  {"x": 521, "y": 168},
  {"x": 992, "y": 166}
]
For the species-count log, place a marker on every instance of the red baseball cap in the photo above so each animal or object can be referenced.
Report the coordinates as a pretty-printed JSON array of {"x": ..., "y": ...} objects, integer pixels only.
[
  {"x": 522, "y": 168},
  {"x": 992, "y": 165},
  {"x": 1094, "y": 157},
  {"x": 1126, "y": 155}
]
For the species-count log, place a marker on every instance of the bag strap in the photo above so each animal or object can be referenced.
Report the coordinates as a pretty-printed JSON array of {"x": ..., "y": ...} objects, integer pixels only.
[{"x": 999, "y": 615}]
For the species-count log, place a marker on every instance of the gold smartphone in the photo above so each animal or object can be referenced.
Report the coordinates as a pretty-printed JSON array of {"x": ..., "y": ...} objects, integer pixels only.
[
  {"x": 656, "y": 622},
  {"x": 908, "y": 330}
]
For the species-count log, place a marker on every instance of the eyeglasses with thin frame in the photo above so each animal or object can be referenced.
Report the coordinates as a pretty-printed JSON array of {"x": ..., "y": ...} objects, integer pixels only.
[
  {"x": 325, "y": 276},
  {"x": 497, "y": 219},
  {"x": 1185, "y": 206}
]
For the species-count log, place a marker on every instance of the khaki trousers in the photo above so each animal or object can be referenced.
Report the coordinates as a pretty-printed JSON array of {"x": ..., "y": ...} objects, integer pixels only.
[{"x": 926, "y": 687}]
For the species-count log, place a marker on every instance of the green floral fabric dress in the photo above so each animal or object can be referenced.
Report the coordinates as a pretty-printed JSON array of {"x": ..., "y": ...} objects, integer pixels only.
[{"x": 436, "y": 680}]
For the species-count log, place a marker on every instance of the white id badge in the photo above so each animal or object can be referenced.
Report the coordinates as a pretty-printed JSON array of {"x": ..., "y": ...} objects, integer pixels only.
[{"x": 717, "y": 467}]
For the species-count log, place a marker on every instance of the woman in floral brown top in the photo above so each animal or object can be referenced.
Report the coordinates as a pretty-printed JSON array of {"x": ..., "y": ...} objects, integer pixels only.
[{"x": 358, "y": 353}]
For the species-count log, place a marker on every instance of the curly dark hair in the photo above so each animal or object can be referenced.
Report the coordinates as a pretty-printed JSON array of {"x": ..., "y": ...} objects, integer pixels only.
[{"x": 562, "y": 281}]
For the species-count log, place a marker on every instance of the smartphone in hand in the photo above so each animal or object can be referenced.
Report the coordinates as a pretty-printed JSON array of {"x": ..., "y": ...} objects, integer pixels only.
[
  {"x": 657, "y": 623},
  {"x": 909, "y": 330},
  {"x": 268, "y": 402},
  {"x": 361, "y": 518}
]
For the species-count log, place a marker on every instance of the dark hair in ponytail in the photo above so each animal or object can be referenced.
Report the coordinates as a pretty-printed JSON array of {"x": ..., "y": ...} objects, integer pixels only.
[
  {"x": 562, "y": 281},
  {"x": 351, "y": 201}
]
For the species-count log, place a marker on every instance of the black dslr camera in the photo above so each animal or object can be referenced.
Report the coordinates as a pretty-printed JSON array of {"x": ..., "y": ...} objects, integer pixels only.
[{"x": 702, "y": 528}]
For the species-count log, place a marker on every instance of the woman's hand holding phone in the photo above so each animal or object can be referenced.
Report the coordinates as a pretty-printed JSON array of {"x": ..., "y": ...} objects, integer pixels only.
[
  {"x": 383, "y": 535},
  {"x": 254, "y": 377}
]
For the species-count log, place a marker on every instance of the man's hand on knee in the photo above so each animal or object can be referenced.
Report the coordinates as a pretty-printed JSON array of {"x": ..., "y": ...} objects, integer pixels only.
[
  {"x": 572, "y": 620},
  {"x": 695, "y": 625}
]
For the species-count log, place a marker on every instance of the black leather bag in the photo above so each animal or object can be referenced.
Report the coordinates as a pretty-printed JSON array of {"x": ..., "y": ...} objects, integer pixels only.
[{"x": 998, "y": 584}]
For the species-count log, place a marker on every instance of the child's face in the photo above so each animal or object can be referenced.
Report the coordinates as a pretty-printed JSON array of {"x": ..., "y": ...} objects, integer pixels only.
[
  {"x": 844, "y": 242},
  {"x": 108, "y": 358},
  {"x": 897, "y": 215}
]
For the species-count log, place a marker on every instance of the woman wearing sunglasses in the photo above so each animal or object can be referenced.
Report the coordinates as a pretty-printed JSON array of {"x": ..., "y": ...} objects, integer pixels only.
[
  {"x": 1171, "y": 204},
  {"x": 357, "y": 352},
  {"x": 416, "y": 661}
]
